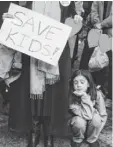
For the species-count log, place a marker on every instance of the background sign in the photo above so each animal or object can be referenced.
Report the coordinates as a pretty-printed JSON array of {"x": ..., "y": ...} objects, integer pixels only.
[{"x": 34, "y": 34}]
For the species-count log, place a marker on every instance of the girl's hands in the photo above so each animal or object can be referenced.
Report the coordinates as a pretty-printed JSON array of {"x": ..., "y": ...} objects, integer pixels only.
[
  {"x": 75, "y": 109},
  {"x": 80, "y": 93},
  {"x": 72, "y": 106},
  {"x": 7, "y": 15},
  {"x": 78, "y": 19}
]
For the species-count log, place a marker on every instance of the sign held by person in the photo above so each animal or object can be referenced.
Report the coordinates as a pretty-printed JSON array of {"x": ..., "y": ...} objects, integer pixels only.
[{"x": 34, "y": 34}]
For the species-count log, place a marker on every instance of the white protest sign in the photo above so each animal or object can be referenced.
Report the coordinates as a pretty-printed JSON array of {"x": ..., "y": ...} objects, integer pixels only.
[{"x": 34, "y": 34}]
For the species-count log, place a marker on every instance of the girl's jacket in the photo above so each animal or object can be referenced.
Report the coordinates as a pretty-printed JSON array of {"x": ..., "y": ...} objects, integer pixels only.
[{"x": 86, "y": 108}]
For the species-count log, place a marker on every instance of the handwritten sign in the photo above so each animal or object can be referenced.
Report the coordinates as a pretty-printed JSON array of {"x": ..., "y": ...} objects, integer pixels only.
[{"x": 34, "y": 34}]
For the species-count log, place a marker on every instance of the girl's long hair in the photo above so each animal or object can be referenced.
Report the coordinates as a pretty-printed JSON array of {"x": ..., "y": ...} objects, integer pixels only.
[{"x": 92, "y": 87}]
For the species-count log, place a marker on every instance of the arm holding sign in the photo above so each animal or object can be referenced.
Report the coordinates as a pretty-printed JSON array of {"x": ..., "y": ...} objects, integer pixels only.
[
  {"x": 79, "y": 10},
  {"x": 98, "y": 18},
  {"x": 6, "y": 15},
  {"x": 78, "y": 19},
  {"x": 108, "y": 22},
  {"x": 98, "y": 26},
  {"x": 94, "y": 13},
  {"x": 16, "y": 65}
]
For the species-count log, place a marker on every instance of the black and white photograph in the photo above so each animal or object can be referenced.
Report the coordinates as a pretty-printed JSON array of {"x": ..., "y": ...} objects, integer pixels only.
[{"x": 56, "y": 73}]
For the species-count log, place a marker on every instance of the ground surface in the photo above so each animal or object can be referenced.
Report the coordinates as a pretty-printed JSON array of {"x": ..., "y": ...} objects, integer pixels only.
[{"x": 9, "y": 139}]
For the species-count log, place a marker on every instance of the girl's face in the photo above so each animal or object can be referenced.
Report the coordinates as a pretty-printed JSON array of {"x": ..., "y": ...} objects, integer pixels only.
[{"x": 80, "y": 84}]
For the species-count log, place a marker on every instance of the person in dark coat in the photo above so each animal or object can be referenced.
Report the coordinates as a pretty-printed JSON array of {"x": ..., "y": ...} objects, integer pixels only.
[
  {"x": 26, "y": 115},
  {"x": 101, "y": 18},
  {"x": 4, "y": 6}
]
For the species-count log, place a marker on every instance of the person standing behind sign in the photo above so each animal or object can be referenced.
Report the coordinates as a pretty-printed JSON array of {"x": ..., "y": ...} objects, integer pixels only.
[
  {"x": 54, "y": 106},
  {"x": 49, "y": 103},
  {"x": 4, "y": 5}
]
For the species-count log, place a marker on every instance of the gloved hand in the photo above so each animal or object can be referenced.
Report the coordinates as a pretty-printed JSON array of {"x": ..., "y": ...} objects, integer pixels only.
[{"x": 78, "y": 19}]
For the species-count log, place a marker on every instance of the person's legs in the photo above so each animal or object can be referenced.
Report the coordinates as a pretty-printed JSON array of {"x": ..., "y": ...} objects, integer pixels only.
[
  {"x": 78, "y": 127},
  {"x": 93, "y": 130},
  {"x": 34, "y": 134},
  {"x": 47, "y": 110},
  {"x": 48, "y": 137}
]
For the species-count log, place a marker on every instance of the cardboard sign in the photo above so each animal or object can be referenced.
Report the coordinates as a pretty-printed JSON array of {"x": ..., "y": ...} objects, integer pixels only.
[
  {"x": 104, "y": 43},
  {"x": 93, "y": 37},
  {"x": 76, "y": 27},
  {"x": 34, "y": 34}
]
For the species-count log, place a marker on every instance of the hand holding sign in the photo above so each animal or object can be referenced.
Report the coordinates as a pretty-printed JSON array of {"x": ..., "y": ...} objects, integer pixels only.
[
  {"x": 78, "y": 19},
  {"x": 79, "y": 7},
  {"x": 34, "y": 34},
  {"x": 7, "y": 15},
  {"x": 76, "y": 27},
  {"x": 98, "y": 26}
]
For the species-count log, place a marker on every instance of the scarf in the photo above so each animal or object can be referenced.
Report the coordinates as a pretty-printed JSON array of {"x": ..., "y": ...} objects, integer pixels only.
[{"x": 42, "y": 73}]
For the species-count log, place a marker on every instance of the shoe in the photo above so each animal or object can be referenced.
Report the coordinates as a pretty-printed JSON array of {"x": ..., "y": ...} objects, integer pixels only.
[
  {"x": 75, "y": 144},
  {"x": 95, "y": 144},
  {"x": 33, "y": 140},
  {"x": 34, "y": 135},
  {"x": 49, "y": 141}
]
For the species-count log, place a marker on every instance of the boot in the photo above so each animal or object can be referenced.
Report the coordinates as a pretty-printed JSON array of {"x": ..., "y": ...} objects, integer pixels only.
[
  {"x": 48, "y": 141},
  {"x": 51, "y": 141},
  {"x": 75, "y": 144},
  {"x": 95, "y": 144},
  {"x": 34, "y": 135}
]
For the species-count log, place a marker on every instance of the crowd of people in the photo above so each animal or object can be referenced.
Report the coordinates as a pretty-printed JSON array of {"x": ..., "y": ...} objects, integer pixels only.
[{"x": 66, "y": 102}]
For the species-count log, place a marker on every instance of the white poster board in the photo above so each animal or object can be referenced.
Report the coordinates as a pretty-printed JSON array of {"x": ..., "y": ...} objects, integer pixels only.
[{"x": 34, "y": 34}]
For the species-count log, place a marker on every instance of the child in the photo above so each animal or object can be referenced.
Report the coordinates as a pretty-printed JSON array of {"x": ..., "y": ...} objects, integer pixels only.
[{"x": 88, "y": 110}]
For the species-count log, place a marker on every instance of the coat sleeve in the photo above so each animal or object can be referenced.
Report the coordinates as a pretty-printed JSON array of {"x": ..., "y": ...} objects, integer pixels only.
[
  {"x": 76, "y": 110},
  {"x": 94, "y": 13},
  {"x": 108, "y": 22},
  {"x": 100, "y": 106},
  {"x": 83, "y": 109},
  {"x": 87, "y": 108}
]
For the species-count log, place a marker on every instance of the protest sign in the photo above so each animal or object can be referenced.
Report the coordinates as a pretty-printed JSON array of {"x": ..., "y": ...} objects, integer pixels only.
[
  {"x": 93, "y": 37},
  {"x": 34, "y": 34},
  {"x": 104, "y": 43},
  {"x": 76, "y": 27}
]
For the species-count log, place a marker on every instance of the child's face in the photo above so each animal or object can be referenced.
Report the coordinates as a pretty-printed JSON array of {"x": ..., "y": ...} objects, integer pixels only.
[{"x": 80, "y": 84}]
